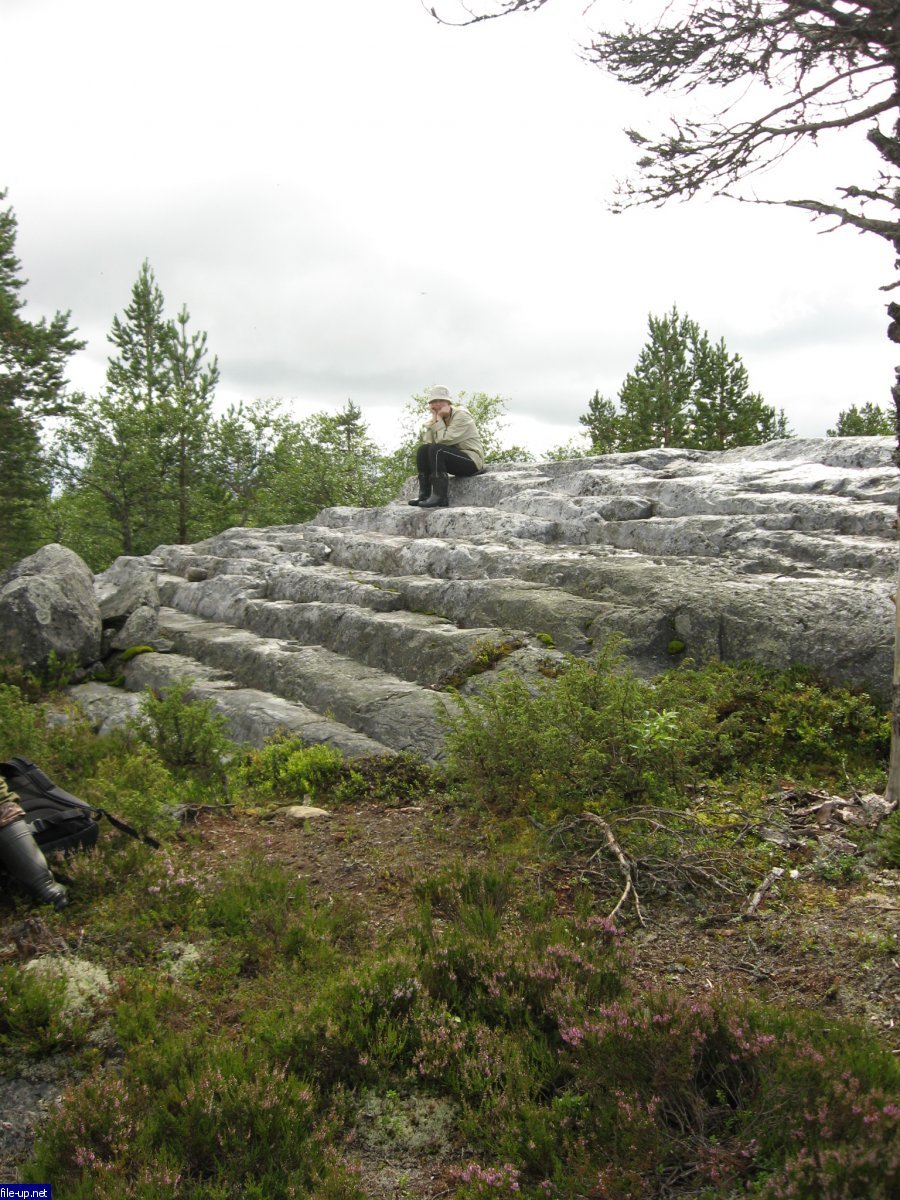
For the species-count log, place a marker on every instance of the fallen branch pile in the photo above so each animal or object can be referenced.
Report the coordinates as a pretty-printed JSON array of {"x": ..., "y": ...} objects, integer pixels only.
[{"x": 660, "y": 850}]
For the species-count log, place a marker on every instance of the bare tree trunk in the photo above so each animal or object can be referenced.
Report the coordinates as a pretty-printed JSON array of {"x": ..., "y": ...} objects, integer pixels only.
[{"x": 892, "y": 792}]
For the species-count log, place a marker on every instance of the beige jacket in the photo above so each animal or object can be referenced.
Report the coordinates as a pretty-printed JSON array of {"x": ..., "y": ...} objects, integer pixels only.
[
  {"x": 10, "y": 809},
  {"x": 459, "y": 431}
]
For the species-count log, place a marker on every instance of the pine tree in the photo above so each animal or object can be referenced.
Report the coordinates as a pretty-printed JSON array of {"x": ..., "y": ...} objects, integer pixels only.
[
  {"x": 657, "y": 394},
  {"x": 868, "y": 421},
  {"x": 602, "y": 424},
  {"x": 243, "y": 442},
  {"x": 724, "y": 412},
  {"x": 188, "y": 413},
  {"x": 33, "y": 357},
  {"x": 108, "y": 448},
  {"x": 141, "y": 447},
  {"x": 141, "y": 372},
  {"x": 113, "y": 445},
  {"x": 321, "y": 462},
  {"x": 685, "y": 392},
  {"x": 24, "y": 486}
]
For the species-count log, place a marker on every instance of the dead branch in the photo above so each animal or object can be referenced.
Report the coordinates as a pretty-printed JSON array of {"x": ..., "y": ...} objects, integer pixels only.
[
  {"x": 625, "y": 865},
  {"x": 811, "y": 810},
  {"x": 688, "y": 862},
  {"x": 693, "y": 868},
  {"x": 753, "y": 969},
  {"x": 757, "y": 898}
]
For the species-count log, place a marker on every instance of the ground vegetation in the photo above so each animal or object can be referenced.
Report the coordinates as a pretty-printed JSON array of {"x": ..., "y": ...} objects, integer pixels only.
[{"x": 438, "y": 990}]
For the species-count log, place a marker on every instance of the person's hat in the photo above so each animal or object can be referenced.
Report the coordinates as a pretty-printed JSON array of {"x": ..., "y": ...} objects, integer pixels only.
[{"x": 436, "y": 394}]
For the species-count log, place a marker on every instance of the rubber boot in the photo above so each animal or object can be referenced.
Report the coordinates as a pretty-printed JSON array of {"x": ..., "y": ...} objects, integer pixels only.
[
  {"x": 424, "y": 490},
  {"x": 23, "y": 858},
  {"x": 438, "y": 497}
]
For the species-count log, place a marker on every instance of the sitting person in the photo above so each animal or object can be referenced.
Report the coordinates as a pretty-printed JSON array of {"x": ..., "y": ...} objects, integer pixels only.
[
  {"x": 20, "y": 854},
  {"x": 450, "y": 443}
]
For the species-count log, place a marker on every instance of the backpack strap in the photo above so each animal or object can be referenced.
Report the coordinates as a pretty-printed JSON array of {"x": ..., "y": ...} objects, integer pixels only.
[
  {"x": 24, "y": 776},
  {"x": 126, "y": 828}
]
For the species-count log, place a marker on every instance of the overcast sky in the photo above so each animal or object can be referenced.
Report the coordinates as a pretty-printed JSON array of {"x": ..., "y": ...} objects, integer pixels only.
[{"x": 356, "y": 202}]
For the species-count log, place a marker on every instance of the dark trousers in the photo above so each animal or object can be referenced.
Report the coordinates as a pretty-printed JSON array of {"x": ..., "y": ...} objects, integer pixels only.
[{"x": 432, "y": 459}]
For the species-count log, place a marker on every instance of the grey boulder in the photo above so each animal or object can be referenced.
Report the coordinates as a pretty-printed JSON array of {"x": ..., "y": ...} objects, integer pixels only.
[{"x": 47, "y": 607}]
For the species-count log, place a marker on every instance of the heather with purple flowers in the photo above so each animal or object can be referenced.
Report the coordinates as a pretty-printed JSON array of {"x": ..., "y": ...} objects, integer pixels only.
[
  {"x": 484, "y": 1183},
  {"x": 563, "y": 1082},
  {"x": 254, "y": 1073}
]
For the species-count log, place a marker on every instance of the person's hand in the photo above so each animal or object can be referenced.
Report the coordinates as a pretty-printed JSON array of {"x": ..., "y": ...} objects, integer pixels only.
[{"x": 440, "y": 413}]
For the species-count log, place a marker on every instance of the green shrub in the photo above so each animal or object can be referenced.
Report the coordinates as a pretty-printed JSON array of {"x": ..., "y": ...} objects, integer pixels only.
[
  {"x": 52, "y": 677},
  {"x": 258, "y": 900},
  {"x": 471, "y": 1011},
  {"x": 391, "y": 779},
  {"x": 887, "y": 844},
  {"x": 57, "y": 672},
  {"x": 67, "y": 751},
  {"x": 13, "y": 674},
  {"x": 476, "y": 898},
  {"x": 824, "y": 1117},
  {"x": 260, "y": 921},
  {"x": 33, "y": 1015},
  {"x": 559, "y": 1081},
  {"x": 22, "y": 729},
  {"x": 218, "y": 1121},
  {"x": 187, "y": 735},
  {"x": 540, "y": 980},
  {"x": 594, "y": 735},
  {"x": 137, "y": 787},
  {"x": 838, "y": 868},
  {"x": 249, "y": 1074},
  {"x": 591, "y": 735},
  {"x": 286, "y": 768},
  {"x": 104, "y": 875},
  {"x": 145, "y": 1009},
  {"x": 747, "y": 719}
]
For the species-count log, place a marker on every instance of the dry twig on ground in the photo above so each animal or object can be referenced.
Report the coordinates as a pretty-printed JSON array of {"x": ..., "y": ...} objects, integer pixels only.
[{"x": 627, "y": 867}]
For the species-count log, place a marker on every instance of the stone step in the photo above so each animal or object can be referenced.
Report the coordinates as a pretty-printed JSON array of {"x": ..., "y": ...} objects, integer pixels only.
[
  {"x": 414, "y": 643},
  {"x": 251, "y": 715},
  {"x": 783, "y": 553},
  {"x": 579, "y": 597},
  {"x": 433, "y": 628},
  {"x": 398, "y": 714},
  {"x": 413, "y": 646},
  {"x": 281, "y": 582},
  {"x": 856, "y": 538},
  {"x": 846, "y": 468},
  {"x": 686, "y": 486},
  {"x": 331, "y": 584},
  {"x": 709, "y": 612},
  {"x": 362, "y": 557}
]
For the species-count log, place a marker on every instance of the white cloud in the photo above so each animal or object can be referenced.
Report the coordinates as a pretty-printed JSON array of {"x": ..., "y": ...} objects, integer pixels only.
[{"x": 356, "y": 202}]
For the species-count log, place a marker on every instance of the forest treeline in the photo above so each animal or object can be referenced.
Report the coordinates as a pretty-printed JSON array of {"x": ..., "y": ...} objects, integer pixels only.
[{"x": 152, "y": 459}]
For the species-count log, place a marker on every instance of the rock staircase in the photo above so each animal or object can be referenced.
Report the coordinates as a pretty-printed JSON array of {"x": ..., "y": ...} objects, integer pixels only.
[{"x": 350, "y": 629}]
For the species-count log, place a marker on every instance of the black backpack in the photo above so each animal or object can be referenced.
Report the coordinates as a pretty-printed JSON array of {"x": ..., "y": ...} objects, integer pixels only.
[{"x": 57, "y": 819}]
